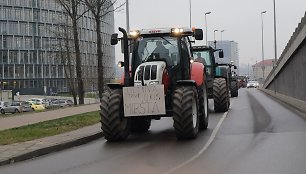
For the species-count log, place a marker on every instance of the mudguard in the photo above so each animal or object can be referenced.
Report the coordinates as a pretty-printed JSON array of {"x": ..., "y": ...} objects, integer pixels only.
[
  {"x": 115, "y": 85},
  {"x": 186, "y": 83},
  {"x": 197, "y": 73}
]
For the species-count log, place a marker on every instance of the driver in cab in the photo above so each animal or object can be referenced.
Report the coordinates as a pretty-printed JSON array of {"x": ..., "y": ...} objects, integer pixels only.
[
  {"x": 161, "y": 50},
  {"x": 200, "y": 59}
]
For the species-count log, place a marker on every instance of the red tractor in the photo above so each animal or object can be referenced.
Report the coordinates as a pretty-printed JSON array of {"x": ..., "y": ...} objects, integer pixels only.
[{"x": 160, "y": 80}]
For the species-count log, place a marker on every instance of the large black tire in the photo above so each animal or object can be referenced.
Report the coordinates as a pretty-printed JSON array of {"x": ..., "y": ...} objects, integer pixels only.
[
  {"x": 203, "y": 107},
  {"x": 113, "y": 123},
  {"x": 221, "y": 95},
  {"x": 234, "y": 89},
  {"x": 140, "y": 124},
  {"x": 185, "y": 112},
  {"x": 2, "y": 111}
]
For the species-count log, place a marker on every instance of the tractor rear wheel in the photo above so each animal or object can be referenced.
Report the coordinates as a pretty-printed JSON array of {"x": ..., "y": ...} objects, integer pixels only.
[
  {"x": 221, "y": 95},
  {"x": 203, "y": 107},
  {"x": 113, "y": 123},
  {"x": 140, "y": 125},
  {"x": 185, "y": 112},
  {"x": 234, "y": 89}
]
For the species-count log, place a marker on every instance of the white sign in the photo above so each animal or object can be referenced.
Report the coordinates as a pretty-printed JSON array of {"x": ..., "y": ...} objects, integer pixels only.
[{"x": 144, "y": 100}]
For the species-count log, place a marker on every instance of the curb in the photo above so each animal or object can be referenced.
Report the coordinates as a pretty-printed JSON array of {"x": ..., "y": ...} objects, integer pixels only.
[
  {"x": 50, "y": 149},
  {"x": 298, "y": 106}
]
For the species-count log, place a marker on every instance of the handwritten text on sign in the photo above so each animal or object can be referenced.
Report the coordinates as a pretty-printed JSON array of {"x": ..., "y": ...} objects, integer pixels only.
[{"x": 144, "y": 100}]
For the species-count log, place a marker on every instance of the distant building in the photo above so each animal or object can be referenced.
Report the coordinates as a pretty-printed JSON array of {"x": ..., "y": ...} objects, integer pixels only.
[
  {"x": 258, "y": 73},
  {"x": 230, "y": 49}
]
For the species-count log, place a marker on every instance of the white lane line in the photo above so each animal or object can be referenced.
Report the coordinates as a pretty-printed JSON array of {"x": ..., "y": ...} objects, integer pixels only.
[{"x": 205, "y": 147}]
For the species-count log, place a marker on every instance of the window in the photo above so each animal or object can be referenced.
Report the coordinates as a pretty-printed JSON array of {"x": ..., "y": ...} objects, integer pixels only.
[
  {"x": 3, "y": 27},
  {"x": 19, "y": 71},
  {"x": 28, "y": 43},
  {"x": 37, "y": 43},
  {"x": 13, "y": 28},
  {"x": 23, "y": 28},
  {"x": 13, "y": 57},
  {"x": 23, "y": 57}
]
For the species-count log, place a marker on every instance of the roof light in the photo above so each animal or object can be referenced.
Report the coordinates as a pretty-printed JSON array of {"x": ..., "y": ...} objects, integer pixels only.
[
  {"x": 177, "y": 31},
  {"x": 134, "y": 34}
]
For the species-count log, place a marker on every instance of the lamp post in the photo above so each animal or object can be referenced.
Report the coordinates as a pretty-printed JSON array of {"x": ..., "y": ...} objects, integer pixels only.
[
  {"x": 275, "y": 46},
  {"x": 206, "y": 25},
  {"x": 262, "y": 46},
  {"x": 221, "y": 34},
  {"x": 127, "y": 16},
  {"x": 215, "y": 42},
  {"x": 190, "y": 13}
]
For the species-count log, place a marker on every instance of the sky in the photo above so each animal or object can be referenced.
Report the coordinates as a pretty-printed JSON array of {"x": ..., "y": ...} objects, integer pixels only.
[{"x": 241, "y": 20}]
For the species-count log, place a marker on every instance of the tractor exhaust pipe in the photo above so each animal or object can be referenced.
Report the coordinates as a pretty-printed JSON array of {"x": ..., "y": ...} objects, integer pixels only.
[{"x": 127, "y": 78}]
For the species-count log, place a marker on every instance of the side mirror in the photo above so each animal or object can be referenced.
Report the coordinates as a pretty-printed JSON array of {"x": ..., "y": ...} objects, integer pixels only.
[
  {"x": 114, "y": 39},
  {"x": 221, "y": 54},
  {"x": 198, "y": 34}
]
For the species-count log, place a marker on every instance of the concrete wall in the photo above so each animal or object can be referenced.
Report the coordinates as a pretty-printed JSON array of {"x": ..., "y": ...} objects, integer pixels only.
[{"x": 290, "y": 72}]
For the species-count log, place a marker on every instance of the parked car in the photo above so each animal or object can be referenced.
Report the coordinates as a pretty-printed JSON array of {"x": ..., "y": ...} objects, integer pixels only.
[
  {"x": 16, "y": 107},
  {"x": 59, "y": 103},
  {"x": 3, "y": 103},
  {"x": 39, "y": 101},
  {"x": 37, "y": 106},
  {"x": 253, "y": 84}
]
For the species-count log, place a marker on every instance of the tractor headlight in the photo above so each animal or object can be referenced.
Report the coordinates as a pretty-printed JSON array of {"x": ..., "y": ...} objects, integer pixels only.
[
  {"x": 134, "y": 34},
  {"x": 154, "y": 83},
  {"x": 177, "y": 31}
]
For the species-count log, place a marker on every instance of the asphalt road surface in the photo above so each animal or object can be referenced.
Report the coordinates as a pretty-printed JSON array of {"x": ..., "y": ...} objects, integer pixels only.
[{"x": 257, "y": 136}]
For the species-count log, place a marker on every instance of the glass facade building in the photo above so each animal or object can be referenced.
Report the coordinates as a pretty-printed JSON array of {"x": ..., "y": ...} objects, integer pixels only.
[{"x": 28, "y": 36}]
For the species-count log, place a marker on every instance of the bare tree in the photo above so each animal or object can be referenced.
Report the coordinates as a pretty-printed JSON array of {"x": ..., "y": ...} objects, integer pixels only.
[
  {"x": 99, "y": 9},
  {"x": 71, "y": 7},
  {"x": 64, "y": 48}
]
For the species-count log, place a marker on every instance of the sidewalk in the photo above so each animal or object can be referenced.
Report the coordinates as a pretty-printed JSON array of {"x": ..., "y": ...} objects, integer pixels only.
[
  {"x": 36, "y": 117},
  {"x": 30, "y": 149}
]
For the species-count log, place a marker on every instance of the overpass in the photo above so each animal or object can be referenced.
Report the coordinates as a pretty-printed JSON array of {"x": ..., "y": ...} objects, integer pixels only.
[{"x": 287, "y": 80}]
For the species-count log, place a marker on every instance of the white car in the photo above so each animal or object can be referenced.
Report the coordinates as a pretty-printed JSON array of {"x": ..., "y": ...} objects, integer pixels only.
[{"x": 253, "y": 84}]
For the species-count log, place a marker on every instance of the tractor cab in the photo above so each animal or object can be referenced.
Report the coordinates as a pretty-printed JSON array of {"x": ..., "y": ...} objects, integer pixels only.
[{"x": 157, "y": 53}]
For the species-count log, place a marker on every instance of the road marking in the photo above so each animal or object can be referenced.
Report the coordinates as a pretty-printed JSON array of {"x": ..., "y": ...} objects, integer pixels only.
[{"x": 205, "y": 147}]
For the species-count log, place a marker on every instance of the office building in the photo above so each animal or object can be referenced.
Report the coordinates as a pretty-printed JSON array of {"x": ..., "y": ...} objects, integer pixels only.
[{"x": 30, "y": 50}]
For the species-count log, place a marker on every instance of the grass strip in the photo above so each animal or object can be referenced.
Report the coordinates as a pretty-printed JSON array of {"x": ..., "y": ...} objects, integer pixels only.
[{"x": 48, "y": 128}]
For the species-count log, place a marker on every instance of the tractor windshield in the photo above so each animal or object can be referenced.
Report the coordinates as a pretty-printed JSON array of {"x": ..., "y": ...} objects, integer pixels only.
[
  {"x": 202, "y": 56},
  {"x": 158, "y": 48}
]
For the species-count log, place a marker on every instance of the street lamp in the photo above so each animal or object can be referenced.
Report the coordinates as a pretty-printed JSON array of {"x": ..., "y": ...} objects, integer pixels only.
[
  {"x": 275, "y": 46},
  {"x": 262, "y": 46},
  {"x": 215, "y": 42},
  {"x": 221, "y": 34},
  {"x": 190, "y": 13},
  {"x": 206, "y": 24},
  {"x": 127, "y": 16}
]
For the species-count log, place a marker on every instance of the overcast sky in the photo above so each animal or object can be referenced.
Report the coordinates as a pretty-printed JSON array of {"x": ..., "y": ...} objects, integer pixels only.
[{"x": 241, "y": 20}]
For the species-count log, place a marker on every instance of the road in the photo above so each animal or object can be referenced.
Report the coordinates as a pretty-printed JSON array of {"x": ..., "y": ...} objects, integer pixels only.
[{"x": 257, "y": 135}]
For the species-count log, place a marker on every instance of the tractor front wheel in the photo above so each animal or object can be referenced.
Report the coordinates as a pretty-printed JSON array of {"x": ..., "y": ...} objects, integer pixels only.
[
  {"x": 185, "y": 112},
  {"x": 203, "y": 107},
  {"x": 234, "y": 89},
  {"x": 221, "y": 95},
  {"x": 115, "y": 126}
]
